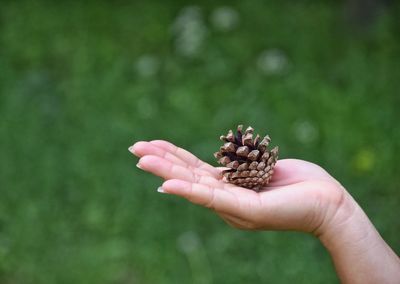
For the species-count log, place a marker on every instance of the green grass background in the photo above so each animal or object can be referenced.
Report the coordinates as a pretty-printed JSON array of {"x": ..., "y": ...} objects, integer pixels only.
[{"x": 80, "y": 81}]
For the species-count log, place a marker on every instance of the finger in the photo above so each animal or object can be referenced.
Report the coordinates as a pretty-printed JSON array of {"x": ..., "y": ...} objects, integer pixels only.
[
  {"x": 214, "y": 198},
  {"x": 168, "y": 170},
  {"x": 143, "y": 148},
  {"x": 185, "y": 156}
]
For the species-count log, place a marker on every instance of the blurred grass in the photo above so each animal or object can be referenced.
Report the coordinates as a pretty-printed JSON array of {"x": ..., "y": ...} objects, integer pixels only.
[{"x": 80, "y": 82}]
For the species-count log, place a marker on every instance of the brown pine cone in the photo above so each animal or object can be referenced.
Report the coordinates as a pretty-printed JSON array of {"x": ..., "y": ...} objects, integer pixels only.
[{"x": 250, "y": 161}]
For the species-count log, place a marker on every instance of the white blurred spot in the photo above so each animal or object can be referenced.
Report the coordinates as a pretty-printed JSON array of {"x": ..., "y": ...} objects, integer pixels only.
[
  {"x": 224, "y": 18},
  {"x": 147, "y": 65},
  {"x": 188, "y": 242},
  {"x": 189, "y": 31},
  {"x": 273, "y": 62},
  {"x": 146, "y": 108},
  {"x": 305, "y": 132}
]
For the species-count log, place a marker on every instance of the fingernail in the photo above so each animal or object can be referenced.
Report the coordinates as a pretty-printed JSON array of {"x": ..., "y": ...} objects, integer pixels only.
[
  {"x": 161, "y": 190},
  {"x": 130, "y": 149},
  {"x": 138, "y": 166}
]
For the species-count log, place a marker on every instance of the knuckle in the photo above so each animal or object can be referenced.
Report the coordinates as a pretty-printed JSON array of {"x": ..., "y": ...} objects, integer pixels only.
[
  {"x": 211, "y": 201},
  {"x": 196, "y": 177}
]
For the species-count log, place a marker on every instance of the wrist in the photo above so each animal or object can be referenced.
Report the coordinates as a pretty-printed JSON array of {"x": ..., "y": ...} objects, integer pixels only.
[{"x": 347, "y": 226}]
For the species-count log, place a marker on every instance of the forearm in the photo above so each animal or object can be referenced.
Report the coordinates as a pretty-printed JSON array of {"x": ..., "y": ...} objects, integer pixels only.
[{"x": 359, "y": 253}]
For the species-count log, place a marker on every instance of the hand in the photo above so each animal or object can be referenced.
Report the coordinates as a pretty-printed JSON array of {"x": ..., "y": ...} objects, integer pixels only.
[{"x": 301, "y": 196}]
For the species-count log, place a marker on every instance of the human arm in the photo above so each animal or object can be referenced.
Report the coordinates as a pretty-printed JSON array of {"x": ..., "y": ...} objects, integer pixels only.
[
  {"x": 301, "y": 197},
  {"x": 359, "y": 253}
]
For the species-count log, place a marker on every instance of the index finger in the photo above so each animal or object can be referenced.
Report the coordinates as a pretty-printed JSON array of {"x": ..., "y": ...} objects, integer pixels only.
[
  {"x": 186, "y": 156},
  {"x": 211, "y": 197}
]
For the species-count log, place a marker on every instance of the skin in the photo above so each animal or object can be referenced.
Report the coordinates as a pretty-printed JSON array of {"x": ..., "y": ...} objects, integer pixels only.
[{"x": 301, "y": 197}]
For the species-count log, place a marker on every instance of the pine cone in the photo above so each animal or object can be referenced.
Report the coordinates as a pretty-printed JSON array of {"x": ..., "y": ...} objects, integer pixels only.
[{"x": 250, "y": 161}]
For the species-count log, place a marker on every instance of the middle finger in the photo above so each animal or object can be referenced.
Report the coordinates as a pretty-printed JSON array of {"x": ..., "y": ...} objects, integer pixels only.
[{"x": 168, "y": 170}]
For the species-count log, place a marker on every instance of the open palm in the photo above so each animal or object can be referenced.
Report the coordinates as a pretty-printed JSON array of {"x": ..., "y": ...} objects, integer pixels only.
[{"x": 301, "y": 196}]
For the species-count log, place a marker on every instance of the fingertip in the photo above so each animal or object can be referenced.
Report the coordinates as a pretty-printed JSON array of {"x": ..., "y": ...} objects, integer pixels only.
[
  {"x": 144, "y": 148},
  {"x": 131, "y": 149},
  {"x": 161, "y": 190},
  {"x": 175, "y": 186},
  {"x": 148, "y": 161},
  {"x": 135, "y": 149}
]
